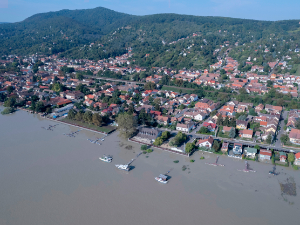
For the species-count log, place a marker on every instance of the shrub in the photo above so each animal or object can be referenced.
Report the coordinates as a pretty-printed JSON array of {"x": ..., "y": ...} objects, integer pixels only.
[
  {"x": 202, "y": 157},
  {"x": 144, "y": 147},
  {"x": 192, "y": 160},
  {"x": 149, "y": 150},
  {"x": 176, "y": 161},
  {"x": 295, "y": 167}
]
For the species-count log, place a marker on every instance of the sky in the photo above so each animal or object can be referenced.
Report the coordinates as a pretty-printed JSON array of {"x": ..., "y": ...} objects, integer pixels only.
[{"x": 18, "y": 10}]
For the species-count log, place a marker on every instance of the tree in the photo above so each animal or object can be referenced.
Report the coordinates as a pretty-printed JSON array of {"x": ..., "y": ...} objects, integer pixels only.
[
  {"x": 9, "y": 89},
  {"x": 79, "y": 76},
  {"x": 269, "y": 83},
  {"x": 291, "y": 157},
  {"x": 7, "y": 110},
  {"x": 284, "y": 138},
  {"x": 216, "y": 145},
  {"x": 39, "y": 106},
  {"x": 144, "y": 147},
  {"x": 232, "y": 132},
  {"x": 220, "y": 119},
  {"x": 226, "y": 121},
  {"x": 269, "y": 139},
  {"x": 149, "y": 86},
  {"x": 158, "y": 141},
  {"x": 182, "y": 107},
  {"x": 243, "y": 91},
  {"x": 88, "y": 116},
  {"x": 178, "y": 139},
  {"x": 10, "y": 102},
  {"x": 165, "y": 135},
  {"x": 252, "y": 112},
  {"x": 127, "y": 124},
  {"x": 257, "y": 147},
  {"x": 79, "y": 116},
  {"x": 71, "y": 114},
  {"x": 203, "y": 130},
  {"x": 97, "y": 119},
  {"x": 189, "y": 147}
]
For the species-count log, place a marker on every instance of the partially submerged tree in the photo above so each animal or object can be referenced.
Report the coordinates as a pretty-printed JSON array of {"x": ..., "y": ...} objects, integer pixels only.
[{"x": 127, "y": 124}]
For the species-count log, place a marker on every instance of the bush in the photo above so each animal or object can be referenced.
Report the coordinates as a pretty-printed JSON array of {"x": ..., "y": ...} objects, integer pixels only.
[
  {"x": 202, "y": 157},
  {"x": 144, "y": 147},
  {"x": 7, "y": 110},
  {"x": 149, "y": 150},
  {"x": 295, "y": 167},
  {"x": 176, "y": 161},
  {"x": 192, "y": 160}
]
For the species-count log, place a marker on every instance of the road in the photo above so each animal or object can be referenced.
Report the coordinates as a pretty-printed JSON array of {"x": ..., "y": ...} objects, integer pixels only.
[{"x": 281, "y": 131}]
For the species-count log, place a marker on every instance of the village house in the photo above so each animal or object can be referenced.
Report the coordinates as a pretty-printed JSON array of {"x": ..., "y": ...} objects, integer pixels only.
[
  {"x": 210, "y": 126},
  {"x": 265, "y": 154},
  {"x": 74, "y": 95},
  {"x": 282, "y": 157},
  {"x": 224, "y": 148},
  {"x": 185, "y": 127},
  {"x": 250, "y": 152},
  {"x": 165, "y": 120},
  {"x": 297, "y": 159},
  {"x": 246, "y": 133},
  {"x": 148, "y": 134},
  {"x": 294, "y": 136},
  {"x": 208, "y": 142},
  {"x": 241, "y": 124},
  {"x": 237, "y": 149}
]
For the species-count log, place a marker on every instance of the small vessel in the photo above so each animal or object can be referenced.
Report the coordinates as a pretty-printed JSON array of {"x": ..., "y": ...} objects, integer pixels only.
[
  {"x": 125, "y": 167},
  {"x": 106, "y": 158},
  {"x": 162, "y": 178}
]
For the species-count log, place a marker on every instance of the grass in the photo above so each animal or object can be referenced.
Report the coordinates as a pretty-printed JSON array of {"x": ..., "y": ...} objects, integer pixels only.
[{"x": 105, "y": 129}]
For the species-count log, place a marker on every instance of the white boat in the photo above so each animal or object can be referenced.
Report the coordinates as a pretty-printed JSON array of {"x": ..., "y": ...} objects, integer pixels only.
[
  {"x": 106, "y": 158},
  {"x": 123, "y": 167},
  {"x": 162, "y": 178}
]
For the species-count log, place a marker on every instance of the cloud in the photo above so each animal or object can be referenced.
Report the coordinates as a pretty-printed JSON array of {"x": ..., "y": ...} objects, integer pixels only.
[{"x": 3, "y": 3}]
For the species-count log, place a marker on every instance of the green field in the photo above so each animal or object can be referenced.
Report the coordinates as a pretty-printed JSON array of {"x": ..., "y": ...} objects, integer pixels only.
[{"x": 105, "y": 129}]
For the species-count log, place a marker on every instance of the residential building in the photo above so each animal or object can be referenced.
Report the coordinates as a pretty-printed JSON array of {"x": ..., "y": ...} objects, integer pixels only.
[
  {"x": 250, "y": 152},
  {"x": 294, "y": 136},
  {"x": 149, "y": 134},
  {"x": 241, "y": 124},
  {"x": 265, "y": 154},
  {"x": 297, "y": 159},
  {"x": 208, "y": 142},
  {"x": 185, "y": 127},
  {"x": 224, "y": 147},
  {"x": 246, "y": 133}
]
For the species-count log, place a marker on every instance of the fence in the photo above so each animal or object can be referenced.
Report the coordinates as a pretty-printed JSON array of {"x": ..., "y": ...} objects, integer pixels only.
[{"x": 165, "y": 149}]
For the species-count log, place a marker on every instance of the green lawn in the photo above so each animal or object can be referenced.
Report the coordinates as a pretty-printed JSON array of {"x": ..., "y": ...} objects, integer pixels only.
[{"x": 105, "y": 129}]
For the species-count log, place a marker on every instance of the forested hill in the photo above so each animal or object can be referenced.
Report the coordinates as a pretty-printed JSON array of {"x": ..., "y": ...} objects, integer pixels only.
[{"x": 67, "y": 31}]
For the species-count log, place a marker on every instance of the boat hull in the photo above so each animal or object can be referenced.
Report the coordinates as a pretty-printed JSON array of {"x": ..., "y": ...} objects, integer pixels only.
[{"x": 161, "y": 180}]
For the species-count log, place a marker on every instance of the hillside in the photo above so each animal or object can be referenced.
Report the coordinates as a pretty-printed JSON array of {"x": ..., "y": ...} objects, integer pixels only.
[{"x": 67, "y": 31}]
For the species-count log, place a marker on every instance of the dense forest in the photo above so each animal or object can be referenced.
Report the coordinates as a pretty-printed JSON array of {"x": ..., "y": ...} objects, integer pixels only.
[{"x": 157, "y": 40}]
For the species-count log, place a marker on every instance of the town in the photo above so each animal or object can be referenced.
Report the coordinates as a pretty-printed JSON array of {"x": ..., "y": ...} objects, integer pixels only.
[{"x": 222, "y": 110}]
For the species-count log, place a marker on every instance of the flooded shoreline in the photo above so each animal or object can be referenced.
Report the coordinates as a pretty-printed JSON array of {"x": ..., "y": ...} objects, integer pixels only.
[{"x": 49, "y": 178}]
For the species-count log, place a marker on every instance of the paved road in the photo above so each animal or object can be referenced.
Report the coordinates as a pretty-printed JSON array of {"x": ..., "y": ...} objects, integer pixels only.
[{"x": 281, "y": 131}]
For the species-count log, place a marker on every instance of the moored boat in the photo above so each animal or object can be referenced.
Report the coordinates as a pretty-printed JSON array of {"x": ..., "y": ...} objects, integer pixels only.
[
  {"x": 162, "y": 178},
  {"x": 106, "y": 158}
]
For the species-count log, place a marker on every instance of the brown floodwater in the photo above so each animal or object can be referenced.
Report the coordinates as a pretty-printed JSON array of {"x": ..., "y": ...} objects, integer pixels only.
[{"x": 48, "y": 178}]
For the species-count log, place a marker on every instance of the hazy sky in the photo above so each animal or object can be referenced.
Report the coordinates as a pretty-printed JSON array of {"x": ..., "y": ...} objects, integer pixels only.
[{"x": 18, "y": 10}]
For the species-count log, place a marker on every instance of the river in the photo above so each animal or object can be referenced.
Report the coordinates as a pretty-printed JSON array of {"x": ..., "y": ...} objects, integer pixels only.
[{"x": 49, "y": 178}]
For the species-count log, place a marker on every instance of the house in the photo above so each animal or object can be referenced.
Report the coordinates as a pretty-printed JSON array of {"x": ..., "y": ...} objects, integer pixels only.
[
  {"x": 265, "y": 154},
  {"x": 163, "y": 120},
  {"x": 149, "y": 134},
  {"x": 210, "y": 126},
  {"x": 297, "y": 159},
  {"x": 259, "y": 108},
  {"x": 241, "y": 124},
  {"x": 185, "y": 127},
  {"x": 250, "y": 152},
  {"x": 246, "y": 133},
  {"x": 226, "y": 129},
  {"x": 208, "y": 142},
  {"x": 89, "y": 102},
  {"x": 282, "y": 157},
  {"x": 200, "y": 116},
  {"x": 74, "y": 95},
  {"x": 294, "y": 136},
  {"x": 237, "y": 149},
  {"x": 224, "y": 147}
]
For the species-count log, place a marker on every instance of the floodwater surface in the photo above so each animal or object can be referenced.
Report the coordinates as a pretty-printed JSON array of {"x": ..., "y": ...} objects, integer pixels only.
[{"x": 49, "y": 178}]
